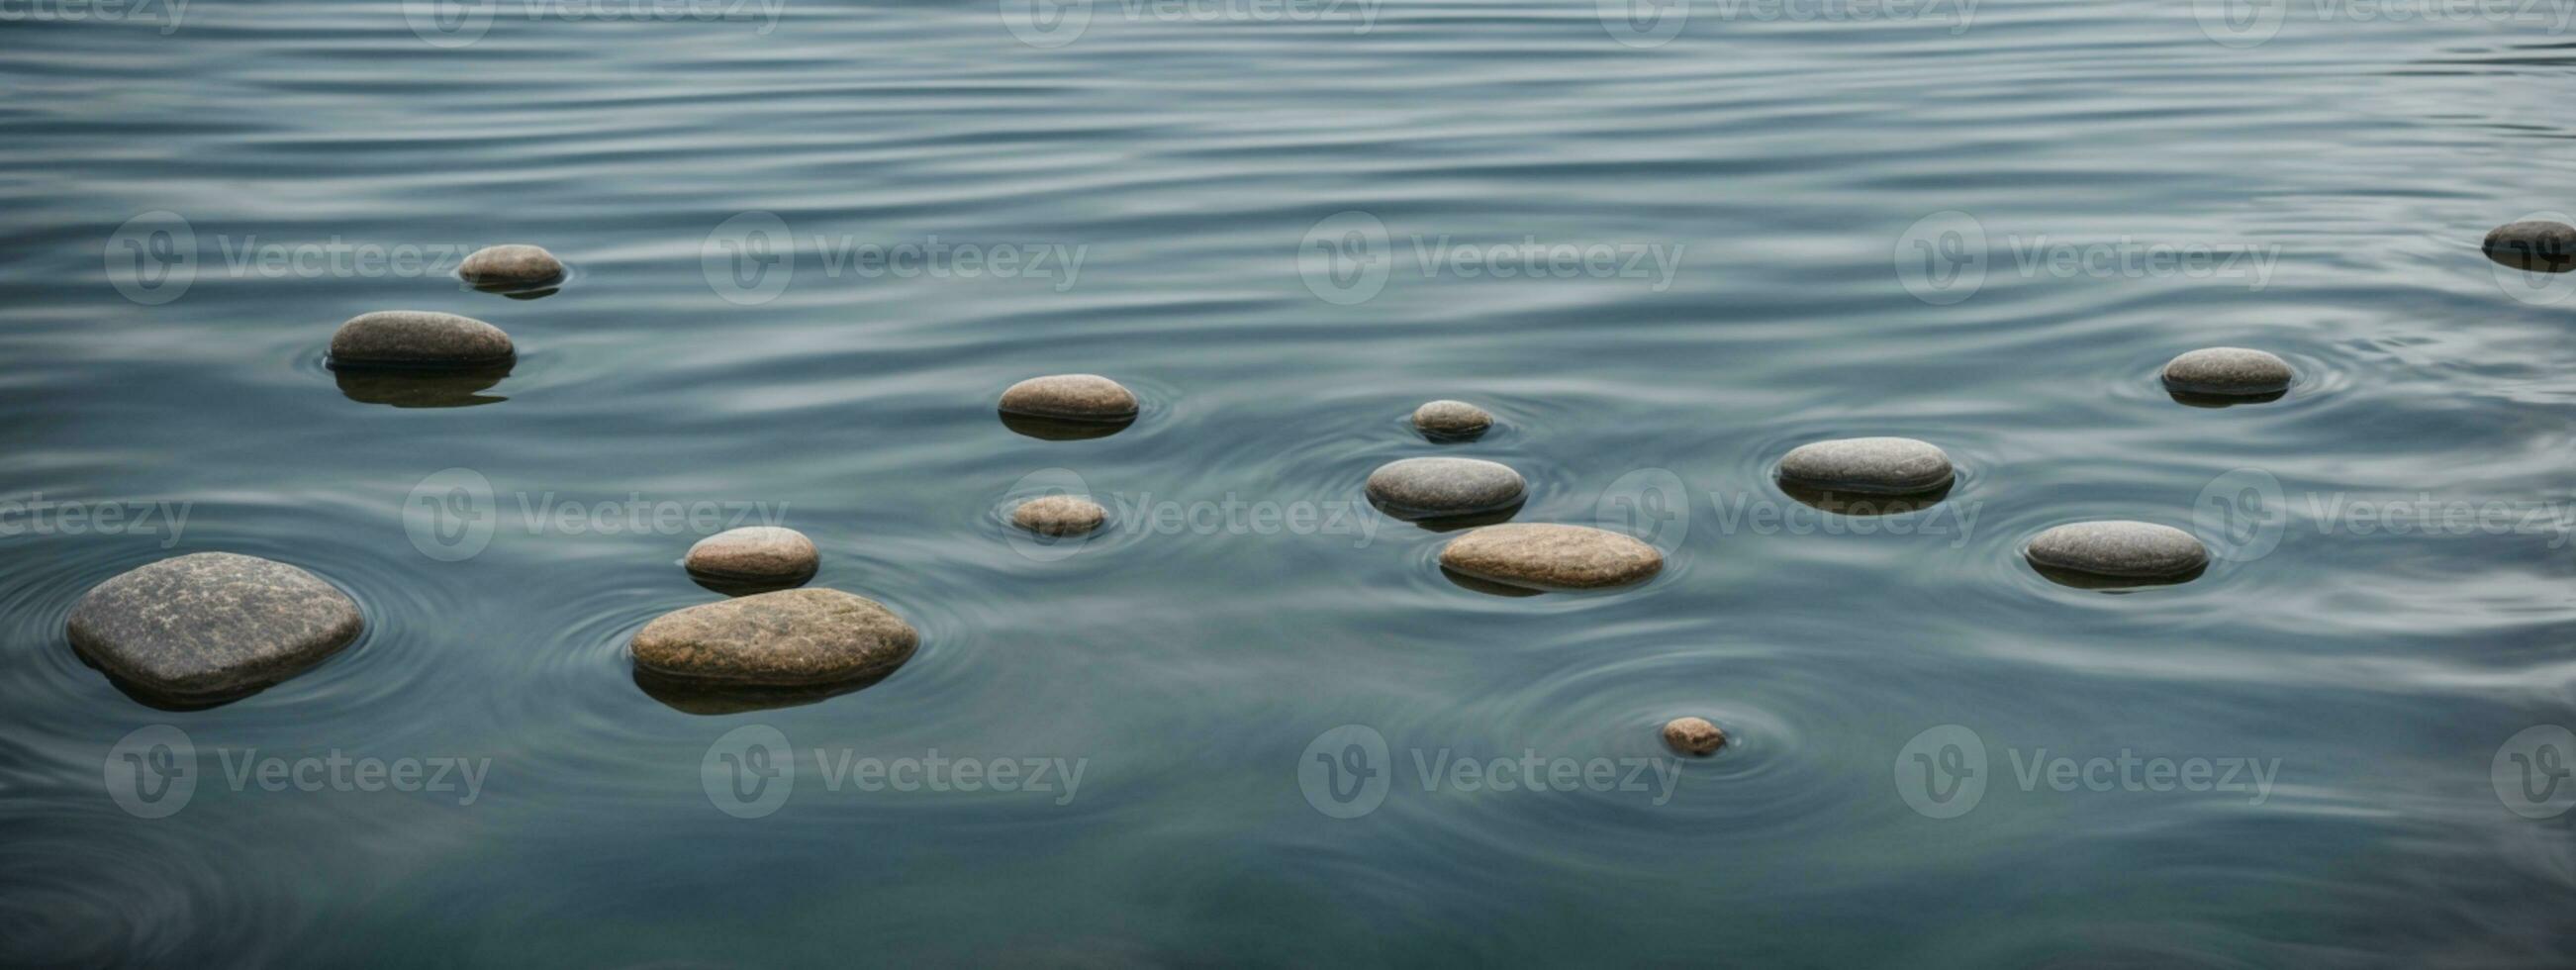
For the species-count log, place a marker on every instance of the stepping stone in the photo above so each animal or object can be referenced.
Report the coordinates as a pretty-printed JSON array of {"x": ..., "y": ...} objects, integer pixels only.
[
  {"x": 2117, "y": 550},
  {"x": 2228, "y": 372},
  {"x": 212, "y": 626},
  {"x": 1059, "y": 515},
  {"x": 513, "y": 266},
  {"x": 2536, "y": 245},
  {"x": 1694, "y": 736},
  {"x": 419, "y": 339},
  {"x": 1071, "y": 397},
  {"x": 1546, "y": 556},
  {"x": 1874, "y": 466},
  {"x": 789, "y": 638},
  {"x": 764, "y": 554},
  {"x": 1451, "y": 420},
  {"x": 1440, "y": 488}
]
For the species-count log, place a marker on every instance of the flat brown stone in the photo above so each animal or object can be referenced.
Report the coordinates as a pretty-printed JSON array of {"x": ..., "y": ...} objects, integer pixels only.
[
  {"x": 1059, "y": 515},
  {"x": 762, "y": 553},
  {"x": 1694, "y": 736},
  {"x": 212, "y": 624},
  {"x": 511, "y": 265},
  {"x": 1071, "y": 397},
  {"x": 1550, "y": 556},
  {"x": 793, "y": 637},
  {"x": 416, "y": 338}
]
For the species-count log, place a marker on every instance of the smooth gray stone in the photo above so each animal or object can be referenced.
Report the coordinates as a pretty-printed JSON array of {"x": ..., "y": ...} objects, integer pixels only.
[
  {"x": 1546, "y": 556},
  {"x": 788, "y": 638},
  {"x": 2534, "y": 244},
  {"x": 2120, "y": 549},
  {"x": 212, "y": 625},
  {"x": 2229, "y": 371},
  {"x": 1071, "y": 397},
  {"x": 1877, "y": 466},
  {"x": 1436, "y": 488},
  {"x": 758, "y": 553},
  {"x": 1059, "y": 515},
  {"x": 416, "y": 338},
  {"x": 511, "y": 265},
  {"x": 1451, "y": 420}
]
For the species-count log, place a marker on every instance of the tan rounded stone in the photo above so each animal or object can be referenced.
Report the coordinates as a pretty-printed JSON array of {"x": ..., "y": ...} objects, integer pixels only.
[
  {"x": 1071, "y": 397},
  {"x": 2228, "y": 371},
  {"x": 791, "y": 637},
  {"x": 1059, "y": 515},
  {"x": 759, "y": 553},
  {"x": 415, "y": 338},
  {"x": 511, "y": 265},
  {"x": 1446, "y": 420},
  {"x": 1694, "y": 736},
  {"x": 1549, "y": 556}
]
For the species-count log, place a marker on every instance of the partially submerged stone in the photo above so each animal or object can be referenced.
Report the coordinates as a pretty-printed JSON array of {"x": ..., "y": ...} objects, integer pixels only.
[
  {"x": 1071, "y": 397},
  {"x": 2537, "y": 245},
  {"x": 1059, "y": 515},
  {"x": 1446, "y": 420},
  {"x": 1873, "y": 466},
  {"x": 788, "y": 638},
  {"x": 755, "y": 554},
  {"x": 1439, "y": 488},
  {"x": 2117, "y": 550},
  {"x": 513, "y": 266},
  {"x": 2228, "y": 372},
  {"x": 1547, "y": 556},
  {"x": 419, "y": 339},
  {"x": 212, "y": 625},
  {"x": 1694, "y": 736}
]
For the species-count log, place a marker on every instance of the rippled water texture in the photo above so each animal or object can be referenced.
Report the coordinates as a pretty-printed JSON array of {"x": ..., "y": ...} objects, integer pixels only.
[{"x": 1662, "y": 245}]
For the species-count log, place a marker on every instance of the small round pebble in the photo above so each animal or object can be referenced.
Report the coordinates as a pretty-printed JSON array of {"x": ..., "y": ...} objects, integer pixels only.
[
  {"x": 1877, "y": 466},
  {"x": 1435, "y": 488},
  {"x": 2228, "y": 371},
  {"x": 511, "y": 265},
  {"x": 758, "y": 553},
  {"x": 1547, "y": 556},
  {"x": 1694, "y": 736},
  {"x": 2120, "y": 549},
  {"x": 212, "y": 625},
  {"x": 792, "y": 637},
  {"x": 1071, "y": 397},
  {"x": 416, "y": 338},
  {"x": 2536, "y": 244},
  {"x": 1059, "y": 515},
  {"x": 1446, "y": 420}
]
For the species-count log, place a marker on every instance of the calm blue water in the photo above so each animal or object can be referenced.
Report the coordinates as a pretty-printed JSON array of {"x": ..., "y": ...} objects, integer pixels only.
[{"x": 1663, "y": 251}]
